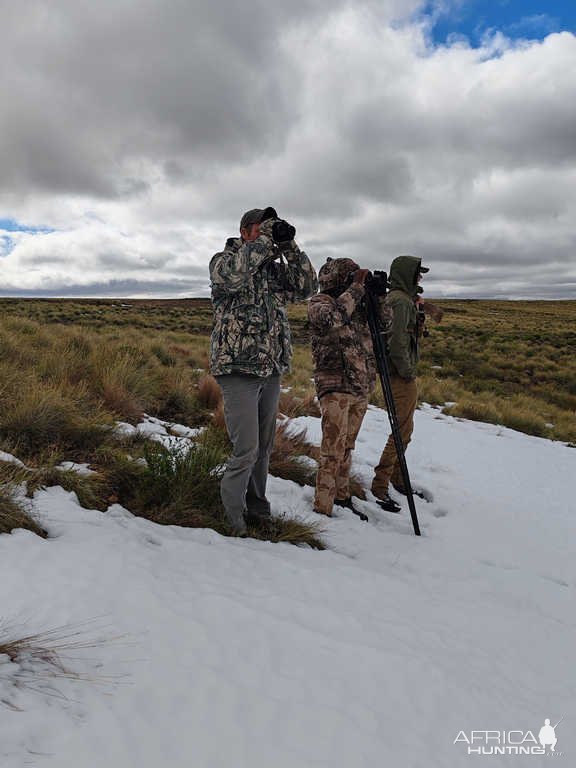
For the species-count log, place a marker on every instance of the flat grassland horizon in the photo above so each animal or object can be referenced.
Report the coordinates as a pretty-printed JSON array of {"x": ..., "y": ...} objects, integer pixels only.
[{"x": 504, "y": 362}]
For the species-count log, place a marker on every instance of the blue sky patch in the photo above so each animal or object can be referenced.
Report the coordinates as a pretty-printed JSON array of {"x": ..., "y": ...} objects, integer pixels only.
[
  {"x": 11, "y": 225},
  {"x": 517, "y": 19},
  {"x": 6, "y": 245}
]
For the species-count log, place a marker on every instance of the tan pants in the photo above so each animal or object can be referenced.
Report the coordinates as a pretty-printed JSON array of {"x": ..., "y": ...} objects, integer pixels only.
[
  {"x": 342, "y": 417},
  {"x": 405, "y": 398}
]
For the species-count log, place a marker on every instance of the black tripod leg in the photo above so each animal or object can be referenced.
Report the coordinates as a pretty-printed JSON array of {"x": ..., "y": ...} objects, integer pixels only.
[{"x": 381, "y": 356}]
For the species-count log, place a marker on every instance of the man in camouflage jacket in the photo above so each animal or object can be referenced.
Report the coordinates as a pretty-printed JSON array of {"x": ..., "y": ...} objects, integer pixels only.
[
  {"x": 403, "y": 354},
  {"x": 344, "y": 374},
  {"x": 253, "y": 278}
]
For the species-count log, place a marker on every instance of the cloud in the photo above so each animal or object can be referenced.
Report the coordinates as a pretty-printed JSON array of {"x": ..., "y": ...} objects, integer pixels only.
[
  {"x": 534, "y": 25},
  {"x": 140, "y": 132}
]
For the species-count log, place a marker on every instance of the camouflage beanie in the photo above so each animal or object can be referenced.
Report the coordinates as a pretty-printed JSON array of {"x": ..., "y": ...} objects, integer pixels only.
[{"x": 335, "y": 273}]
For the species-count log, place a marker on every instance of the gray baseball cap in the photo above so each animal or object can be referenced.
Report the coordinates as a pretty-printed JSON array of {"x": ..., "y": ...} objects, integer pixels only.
[{"x": 257, "y": 216}]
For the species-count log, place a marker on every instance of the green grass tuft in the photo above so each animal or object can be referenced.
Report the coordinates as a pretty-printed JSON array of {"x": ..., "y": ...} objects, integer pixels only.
[{"x": 13, "y": 511}]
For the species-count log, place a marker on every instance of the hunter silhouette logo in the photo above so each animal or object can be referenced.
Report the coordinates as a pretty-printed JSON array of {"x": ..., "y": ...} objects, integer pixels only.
[
  {"x": 547, "y": 735},
  {"x": 515, "y": 742}
]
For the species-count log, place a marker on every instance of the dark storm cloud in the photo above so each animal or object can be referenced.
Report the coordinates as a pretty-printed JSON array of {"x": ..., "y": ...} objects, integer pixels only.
[{"x": 88, "y": 88}]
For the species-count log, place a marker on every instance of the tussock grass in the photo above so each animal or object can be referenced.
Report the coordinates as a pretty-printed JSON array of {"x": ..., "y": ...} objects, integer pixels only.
[
  {"x": 92, "y": 491},
  {"x": 182, "y": 487},
  {"x": 516, "y": 413},
  {"x": 288, "y": 458},
  {"x": 438, "y": 391},
  {"x": 58, "y": 385},
  {"x": 120, "y": 473},
  {"x": 121, "y": 378},
  {"x": 13, "y": 511},
  {"x": 179, "y": 402},
  {"x": 180, "y": 479},
  {"x": 291, "y": 530},
  {"x": 41, "y": 649},
  {"x": 476, "y": 409},
  {"x": 209, "y": 393},
  {"x": 35, "y": 660},
  {"x": 292, "y": 405},
  {"x": 166, "y": 358},
  {"x": 42, "y": 417}
]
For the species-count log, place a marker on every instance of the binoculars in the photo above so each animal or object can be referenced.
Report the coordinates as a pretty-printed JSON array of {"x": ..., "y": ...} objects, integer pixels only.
[
  {"x": 283, "y": 232},
  {"x": 377, "y": 283}
]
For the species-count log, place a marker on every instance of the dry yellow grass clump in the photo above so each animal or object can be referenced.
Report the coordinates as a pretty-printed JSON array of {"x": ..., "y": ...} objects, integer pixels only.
[
  {"x": 65, "y": 383},
  {"x": 13, "y": 511}
]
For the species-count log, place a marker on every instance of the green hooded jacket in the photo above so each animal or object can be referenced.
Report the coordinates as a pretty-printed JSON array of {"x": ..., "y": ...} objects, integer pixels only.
[{"x": 403, "y": 334}]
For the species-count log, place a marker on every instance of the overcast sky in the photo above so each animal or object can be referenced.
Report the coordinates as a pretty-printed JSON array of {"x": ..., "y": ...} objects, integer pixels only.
[{"x": 135, "y": 133}]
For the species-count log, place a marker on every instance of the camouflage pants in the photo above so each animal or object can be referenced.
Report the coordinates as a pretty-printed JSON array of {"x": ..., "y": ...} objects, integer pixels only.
[
  {"x": 342, "y": 416},
  {"x": 405, "y": 395}
]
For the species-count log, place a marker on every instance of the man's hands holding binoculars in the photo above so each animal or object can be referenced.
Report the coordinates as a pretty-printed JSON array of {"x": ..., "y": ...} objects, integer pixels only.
[{"x": 280, "y": 231}]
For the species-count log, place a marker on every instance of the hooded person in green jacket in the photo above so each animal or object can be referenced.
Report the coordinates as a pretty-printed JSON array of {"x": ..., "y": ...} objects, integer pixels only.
[{"x": 403, "y": 353}]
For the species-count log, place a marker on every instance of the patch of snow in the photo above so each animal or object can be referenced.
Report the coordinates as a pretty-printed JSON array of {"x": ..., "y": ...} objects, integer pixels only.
[
  {"x": 7, "y": 457},
  {"x": 181, "y": 431},
  {"x": 149, "y": 428},
  {"x": 379, "y": 650},
  {"x": 72, "y": 466},
  {"x": 123, "y": 429}
]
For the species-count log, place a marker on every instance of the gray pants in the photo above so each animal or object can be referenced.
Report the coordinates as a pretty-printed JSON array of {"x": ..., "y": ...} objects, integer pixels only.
[{"x": 250, "y": 406}]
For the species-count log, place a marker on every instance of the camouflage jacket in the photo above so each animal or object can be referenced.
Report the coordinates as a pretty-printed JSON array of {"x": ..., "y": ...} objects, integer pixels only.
[
  {"x": 341, "y": 343},
  {"x": 250, "y": 289},
  {"x": 403, "y": 347}
]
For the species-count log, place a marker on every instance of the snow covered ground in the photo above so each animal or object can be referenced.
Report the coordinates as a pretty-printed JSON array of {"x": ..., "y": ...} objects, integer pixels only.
[{"x": 381, "y": 651}]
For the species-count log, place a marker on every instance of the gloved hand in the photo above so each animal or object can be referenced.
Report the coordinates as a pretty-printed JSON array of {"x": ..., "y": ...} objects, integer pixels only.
[
  {"x": 278, "y": 230},
  {"x": 266, "y": 228},
  {"x": 282, "y": 232}
]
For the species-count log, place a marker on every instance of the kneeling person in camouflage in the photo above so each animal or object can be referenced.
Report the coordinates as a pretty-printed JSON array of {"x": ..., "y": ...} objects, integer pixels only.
[
  {"x": 344, "y": 375},
  {"x": 252, "y": 280}
]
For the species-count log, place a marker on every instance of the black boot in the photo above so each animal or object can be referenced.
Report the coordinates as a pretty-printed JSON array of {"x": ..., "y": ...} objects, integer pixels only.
[
  {"x": 388, "y": 504},
  {"x": 256, "y": 519},
  {"x": 415, "y": 492},
  {"x": 349, "y": 505},
  {"x": 260, "y": 523}
]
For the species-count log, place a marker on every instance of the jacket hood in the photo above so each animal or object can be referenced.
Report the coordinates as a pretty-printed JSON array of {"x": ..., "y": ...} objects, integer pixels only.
[
  {"x": 335, "y": 274},
  {"x": 404, "y": 273}
]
